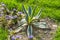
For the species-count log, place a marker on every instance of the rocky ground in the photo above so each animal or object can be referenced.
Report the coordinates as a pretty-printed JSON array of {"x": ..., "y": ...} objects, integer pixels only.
[{"x": 40, "y": 34}]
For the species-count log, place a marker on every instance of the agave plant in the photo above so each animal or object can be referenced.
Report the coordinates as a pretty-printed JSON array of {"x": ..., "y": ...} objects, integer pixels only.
[{"x": 29, "y": 20}]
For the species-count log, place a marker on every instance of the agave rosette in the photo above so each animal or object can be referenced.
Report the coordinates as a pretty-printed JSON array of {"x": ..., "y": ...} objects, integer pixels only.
[{"x": 28, "y": 20}]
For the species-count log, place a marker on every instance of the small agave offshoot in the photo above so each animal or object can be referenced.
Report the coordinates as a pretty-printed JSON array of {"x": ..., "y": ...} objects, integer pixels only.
[{"x": 29, "y": 20}]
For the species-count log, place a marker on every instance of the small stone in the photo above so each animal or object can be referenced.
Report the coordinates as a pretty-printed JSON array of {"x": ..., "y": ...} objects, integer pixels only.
[
  {"x": 13, "y": 38},
  {"x": 7, "y": 17},
  {"x": 14, "y": 17},
  {"x": 55, "y": 26},
  {"x": 1, "y": 15},
  {"x": 3, "y": 4},
  {"x": 31, "y": 36},
  {"x": 2, "y": 8},
  {"x": 19, "y": 12},
  {"x": 45, "y": 32},
  {"x": 14, "y": 10},
  {"x": 18, "y": 36}
]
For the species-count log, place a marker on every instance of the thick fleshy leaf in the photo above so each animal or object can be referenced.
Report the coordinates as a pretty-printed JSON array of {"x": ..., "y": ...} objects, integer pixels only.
[
  {"x": 18, "y": 29},
  {"x": 23, "y": 21},
  {"x": 39, "y": 13},
  {"x": 34, "y": 11},
  {"x": 24, "y": 9},
  {"x": 25, "y": 12},
  {"x": 27, "y": 17},
  {"x": 40, "y": 25},
  {"x": 29, "y": 10},
  {"x": 29, "y": 30}
]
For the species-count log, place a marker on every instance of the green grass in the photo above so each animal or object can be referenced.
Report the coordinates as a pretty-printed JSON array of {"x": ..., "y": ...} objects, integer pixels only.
[
  {"x": 3, "y": 33},
  {"x": 57, "y": 37}
]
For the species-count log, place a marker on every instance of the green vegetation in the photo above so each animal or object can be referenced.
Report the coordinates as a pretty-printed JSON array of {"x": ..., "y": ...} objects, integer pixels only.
[
  {"x": 57, "y": 37},
  {"x": 3, "y": 33},
  {"x": 51, "y": 9},
  {"x": 30, "y": 19}
]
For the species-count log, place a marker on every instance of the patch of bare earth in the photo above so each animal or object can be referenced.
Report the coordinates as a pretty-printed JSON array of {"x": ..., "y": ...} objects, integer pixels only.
[{"x": 41, "y": 33}]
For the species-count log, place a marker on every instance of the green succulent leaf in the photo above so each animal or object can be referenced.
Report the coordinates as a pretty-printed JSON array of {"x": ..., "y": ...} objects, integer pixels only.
[
  {"x": 40, "y": 25},
  {"x": 29, "y": 30},
  {"x": 23, "y": 21},
  {"x": 18, "y": 29},
  {"x": 27, "y": 17},
  {"x": 25, "y": 12},
  {"x": 39, "y": 13},
  {"x": 34, "y": 11},
  {"x": 24, "y": 9},
  {"x": 29, "y": 10}
]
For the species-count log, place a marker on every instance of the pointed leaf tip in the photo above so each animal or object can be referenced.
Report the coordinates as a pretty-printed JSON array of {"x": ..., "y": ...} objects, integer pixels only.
[
  {"x": 29, "y": 30},
  {"x": 30, "y": 10}
]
